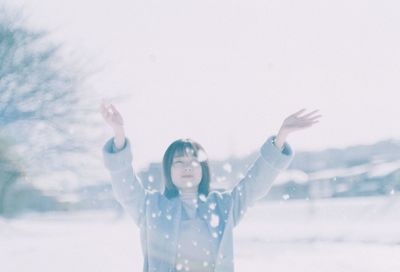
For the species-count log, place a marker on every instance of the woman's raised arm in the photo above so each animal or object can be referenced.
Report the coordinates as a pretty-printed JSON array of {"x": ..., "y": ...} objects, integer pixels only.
[
  {"x": 275, "y": 156},
  {"x": 117, "y": 156}
]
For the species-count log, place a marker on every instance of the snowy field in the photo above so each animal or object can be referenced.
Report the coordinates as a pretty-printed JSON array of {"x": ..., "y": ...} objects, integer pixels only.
[{"x": 357, "y": 235}]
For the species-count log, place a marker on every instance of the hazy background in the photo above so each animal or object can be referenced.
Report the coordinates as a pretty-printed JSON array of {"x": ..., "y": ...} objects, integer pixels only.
[{"x": 227, "y": 73}]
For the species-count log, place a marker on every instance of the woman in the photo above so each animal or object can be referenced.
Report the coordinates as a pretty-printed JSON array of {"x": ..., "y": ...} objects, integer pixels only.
[{"x": 187, "y": 227}]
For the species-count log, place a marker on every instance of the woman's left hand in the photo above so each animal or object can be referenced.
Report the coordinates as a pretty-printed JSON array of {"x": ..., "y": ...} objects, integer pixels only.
[{"x": 295, "y": 122}]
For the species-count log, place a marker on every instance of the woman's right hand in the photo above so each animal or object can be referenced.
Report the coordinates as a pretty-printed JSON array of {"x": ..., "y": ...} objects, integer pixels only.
[
  {"x": 112, "y": 116},
  {"x": 114, "y": 119}
]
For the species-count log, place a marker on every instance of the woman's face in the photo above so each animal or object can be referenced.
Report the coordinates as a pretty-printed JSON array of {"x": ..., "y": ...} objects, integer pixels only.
[{"x": 186, "y": 172}]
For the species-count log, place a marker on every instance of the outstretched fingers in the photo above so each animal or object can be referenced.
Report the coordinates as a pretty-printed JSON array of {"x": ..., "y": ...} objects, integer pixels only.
[
  {"x": 315, "y": 117},
  {"x": 297, "y": 113},
  {"x": 310, "y": 117},
  {"x": 105, "y": 111},
  {"x": 309, "y": 114},
  {"x": 114, "y": 109},
  {"x": 306, "y": 124}
]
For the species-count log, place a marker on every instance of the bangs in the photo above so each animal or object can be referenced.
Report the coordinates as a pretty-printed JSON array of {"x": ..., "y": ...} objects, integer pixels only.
[{"x": 186, "y": 148}]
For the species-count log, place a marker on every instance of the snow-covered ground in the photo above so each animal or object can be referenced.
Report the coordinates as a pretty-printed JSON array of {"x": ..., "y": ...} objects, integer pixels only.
[{"x": 361, "y": 234}]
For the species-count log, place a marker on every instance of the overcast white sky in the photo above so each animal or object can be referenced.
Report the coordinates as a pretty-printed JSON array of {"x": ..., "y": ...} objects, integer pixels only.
[{"x": 226, "y": 73}]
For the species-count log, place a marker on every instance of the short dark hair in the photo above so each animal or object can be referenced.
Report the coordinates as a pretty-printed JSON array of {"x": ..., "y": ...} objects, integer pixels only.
[{"x": 184, "y": 147}]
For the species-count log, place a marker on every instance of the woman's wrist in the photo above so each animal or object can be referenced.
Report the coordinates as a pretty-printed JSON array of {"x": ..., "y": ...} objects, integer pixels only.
[
  {"x": 119, "y": 138},
  {"x": 280, "y": 139}
]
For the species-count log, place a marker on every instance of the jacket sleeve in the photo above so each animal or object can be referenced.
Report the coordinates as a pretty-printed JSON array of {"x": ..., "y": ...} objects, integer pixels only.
[
  {"x": 126, "y": 186},
  {"x": 260, "y": 177}
]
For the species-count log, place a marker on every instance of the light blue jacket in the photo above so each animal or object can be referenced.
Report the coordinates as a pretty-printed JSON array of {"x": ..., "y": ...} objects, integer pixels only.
[{"x": 159, "y": 218}]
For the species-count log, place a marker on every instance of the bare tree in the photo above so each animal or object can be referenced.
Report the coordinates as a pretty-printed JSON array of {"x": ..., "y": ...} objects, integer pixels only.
[
  {"x": 41, "y": 100},
  {"x": 10, "y": 172}
]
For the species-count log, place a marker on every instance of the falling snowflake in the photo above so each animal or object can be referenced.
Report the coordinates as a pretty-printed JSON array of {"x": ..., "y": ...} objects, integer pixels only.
[
  {"x": 201, "y": 156},
  {"x": 214, "y": 221},
  {"x": 205, "y": 264},
  {"x": 202, "y": 197},
  {"x": 179, "y": 266},
  {"x": 212, "y": 206},
  {"x": 240, "y": 175},
  {"x": 168, "y": 216},
  {"x": 286, "y": 196},
  {"x": 227, "y": 167},
  {"x": 221, "y": 179},
  {"x": 189, "y": 151},
  {"x": 151, "y": 178},
  {"x": 195, "y": 164}
]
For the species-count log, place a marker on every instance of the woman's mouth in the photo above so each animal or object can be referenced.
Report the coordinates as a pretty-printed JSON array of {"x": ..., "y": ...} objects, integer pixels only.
[{"x": 187, "y": 176}]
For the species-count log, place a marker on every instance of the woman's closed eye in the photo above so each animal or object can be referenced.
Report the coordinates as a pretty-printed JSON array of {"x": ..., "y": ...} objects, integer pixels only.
[
  {"x": 178, "y": 163},
  {"x": 193, "y": 163}
]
